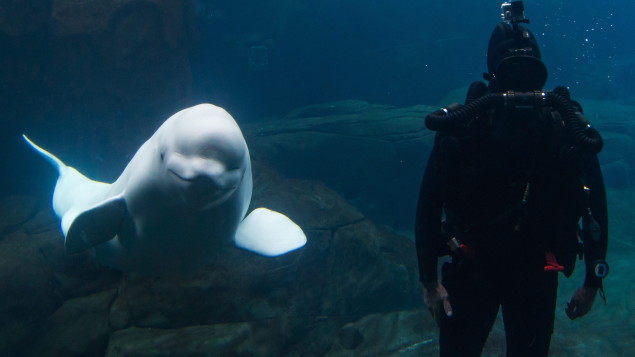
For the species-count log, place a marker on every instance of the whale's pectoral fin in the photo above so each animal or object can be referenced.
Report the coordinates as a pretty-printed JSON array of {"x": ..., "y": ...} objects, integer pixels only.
[
  {"x": 269, "y": 233},
  {"x": 96, "y": 225}
]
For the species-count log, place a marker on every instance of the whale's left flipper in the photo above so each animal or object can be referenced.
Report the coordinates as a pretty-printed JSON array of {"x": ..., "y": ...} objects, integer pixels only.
[
  {"x": 96, "y": 225},
  {"x": 269, "y": 233}
]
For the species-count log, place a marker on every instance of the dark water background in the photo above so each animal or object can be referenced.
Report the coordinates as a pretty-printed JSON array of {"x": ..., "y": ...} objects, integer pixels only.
[
  {"x": 265, "y": 58},
  {"x": 403, "y": 52},
  {"x": 93, "y": 98}
]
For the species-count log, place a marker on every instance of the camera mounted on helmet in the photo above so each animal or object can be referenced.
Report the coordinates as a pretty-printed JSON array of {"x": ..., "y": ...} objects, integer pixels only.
[
  {"x": 513, "y": 13},
  {"x": 516, "y": 78},
  {"x": 513, "y": 54}
]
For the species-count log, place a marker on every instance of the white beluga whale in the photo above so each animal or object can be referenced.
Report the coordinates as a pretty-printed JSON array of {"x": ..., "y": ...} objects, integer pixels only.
[{"x": 181, "y": 199}]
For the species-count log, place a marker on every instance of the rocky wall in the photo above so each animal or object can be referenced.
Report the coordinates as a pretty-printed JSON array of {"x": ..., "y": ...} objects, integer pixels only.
[
  {"x": 98, "y": 73},
  {"x": 56, "y": 304}
]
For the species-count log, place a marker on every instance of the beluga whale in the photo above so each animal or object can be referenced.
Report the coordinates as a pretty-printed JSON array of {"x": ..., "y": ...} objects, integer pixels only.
[{"x": 179, "y": 202}]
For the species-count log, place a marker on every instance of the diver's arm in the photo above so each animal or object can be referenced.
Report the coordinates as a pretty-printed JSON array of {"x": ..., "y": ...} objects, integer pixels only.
[
  {"x": 596, "y": 250},
  {"x": 428, "y": 220}
]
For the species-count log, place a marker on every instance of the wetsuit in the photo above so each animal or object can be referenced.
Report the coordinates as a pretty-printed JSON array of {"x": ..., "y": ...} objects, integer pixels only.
[{"x": 511, "y": 190}]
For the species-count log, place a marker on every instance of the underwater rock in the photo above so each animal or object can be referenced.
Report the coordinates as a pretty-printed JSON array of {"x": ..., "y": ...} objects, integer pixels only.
[
  {"x": 374, "y": 155},
  {"x": 456, "y": 95},
  {"x": 283, "y": 336},
  {"x": 43, "y": 221},
  {"x": 334, "y": 108},
  {"x": 348, "y": 292},
  {"x": 15, "y": 211},
  {"x": 28, "y": 289},
  {"x": 619, "y": 174},
  {"x": 125, "y": 56},
  {"x": 249, "y": 339},
  {"x": 618, "y": 165},
  {"x": 400, "y": 333},
  {"x": 310, "y": 202},
  {"x": 377, "y": 266},
  {"x": 36, "y": 274},
  {"x": 289, "y": 305},
  {"x": 350, "y": 337},
  {"x": 80, "y": 327},
  {"x": 111, "y": 67},
  {"x": 348, "y": 267},
  {"x": 241, "y": 285},
  {"x": 371, "y": 154},
  {"x": 613, "y": 118}
]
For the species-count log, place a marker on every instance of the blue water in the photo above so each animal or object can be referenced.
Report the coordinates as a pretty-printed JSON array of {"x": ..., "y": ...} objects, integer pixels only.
[
  {"x": 266, "y": 58},
  {"x": 93, "y": 98},
  {"x": 407, "y": 52}
]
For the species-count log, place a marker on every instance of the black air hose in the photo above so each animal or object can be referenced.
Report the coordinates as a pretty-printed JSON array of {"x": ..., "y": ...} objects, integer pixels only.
[
  {"x": 455, "y": 121},
  {"x": 563, "y": 92},
  {"x": 444, "y": 120},
  {"x": 477, "y": 89},
  {"x": 587, "y": 137}
]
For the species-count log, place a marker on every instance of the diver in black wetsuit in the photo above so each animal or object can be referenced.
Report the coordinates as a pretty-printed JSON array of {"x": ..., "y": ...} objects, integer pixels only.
[{"x": 511, "y": 174}]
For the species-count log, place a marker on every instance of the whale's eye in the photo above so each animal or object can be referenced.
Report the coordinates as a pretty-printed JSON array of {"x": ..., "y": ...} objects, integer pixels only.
[{"x": 162, "y": 156}]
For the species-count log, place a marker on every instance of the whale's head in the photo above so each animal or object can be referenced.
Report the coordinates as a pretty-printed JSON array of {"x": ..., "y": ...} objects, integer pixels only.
[{"x": 203, "y": 156}]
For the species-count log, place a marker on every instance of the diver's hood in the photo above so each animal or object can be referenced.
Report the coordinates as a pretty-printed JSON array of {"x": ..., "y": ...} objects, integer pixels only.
[{"x": 513, "y": 60}]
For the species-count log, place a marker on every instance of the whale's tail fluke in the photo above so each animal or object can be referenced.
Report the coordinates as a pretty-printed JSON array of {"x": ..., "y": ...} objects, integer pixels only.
[
  {"x": 57, "y": 163},
  {"x": 74, "y": 193}
]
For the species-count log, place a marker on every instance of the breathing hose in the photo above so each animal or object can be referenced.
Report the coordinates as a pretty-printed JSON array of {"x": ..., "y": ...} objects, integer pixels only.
[{"x": 446, "y": 120}]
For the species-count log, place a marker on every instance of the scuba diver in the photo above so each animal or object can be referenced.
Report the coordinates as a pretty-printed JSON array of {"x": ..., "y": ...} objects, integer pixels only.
[{"x": 511, "y": 175}]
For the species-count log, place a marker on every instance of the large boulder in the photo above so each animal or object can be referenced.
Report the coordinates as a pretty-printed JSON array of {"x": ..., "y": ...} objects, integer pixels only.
[
  {"x": 122, "y": 51},
  {"x": 36, "y": 275},
  {"x": 374, "y": 155},
  {"x": 68, "y": 305},
  {"x": 80, "y": 327},
  {"x": 371, "y": 154},
  {"x": 95, "y": 73},
  {"x": 281, "y": 336},
  {"x": 399, "y": 333},
  {"x": 349, "y": 267},
  {"x": 112, "y": 57}
]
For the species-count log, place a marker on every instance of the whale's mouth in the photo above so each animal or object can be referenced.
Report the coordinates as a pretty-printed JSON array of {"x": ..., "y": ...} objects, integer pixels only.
[
  {"x": 176, "y": 174},
  {"x": 202, "y": 191},
  {"x": 206, "y": 201},
  {"x": 203, "y": 181}
]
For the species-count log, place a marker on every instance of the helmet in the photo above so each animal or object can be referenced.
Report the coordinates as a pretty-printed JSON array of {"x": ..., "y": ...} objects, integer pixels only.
[{"x": 513, "y": 59}]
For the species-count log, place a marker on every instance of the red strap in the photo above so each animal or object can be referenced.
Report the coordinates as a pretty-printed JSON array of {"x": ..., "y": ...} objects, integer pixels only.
[
  {"x": 467, "y": 250},
  {"x": 552, "y": 263}
]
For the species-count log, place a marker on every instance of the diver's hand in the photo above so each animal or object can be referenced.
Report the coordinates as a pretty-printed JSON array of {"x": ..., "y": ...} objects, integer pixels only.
[
  {"x": 435, "y": 296},
  {"x": 581, "y": 302}
]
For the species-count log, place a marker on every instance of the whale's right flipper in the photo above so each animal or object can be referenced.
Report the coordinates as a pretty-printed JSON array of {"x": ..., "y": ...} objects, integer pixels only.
[{"x": 269, "y": 233}]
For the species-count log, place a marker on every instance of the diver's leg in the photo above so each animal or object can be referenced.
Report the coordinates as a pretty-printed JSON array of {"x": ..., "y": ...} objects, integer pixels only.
[
  {"x": 474, "y": 305},
  {"x": 528, "y": 312}
]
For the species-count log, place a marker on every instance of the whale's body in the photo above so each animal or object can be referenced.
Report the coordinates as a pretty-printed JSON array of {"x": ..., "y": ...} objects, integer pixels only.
[{"x": 179, "y": 201}]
